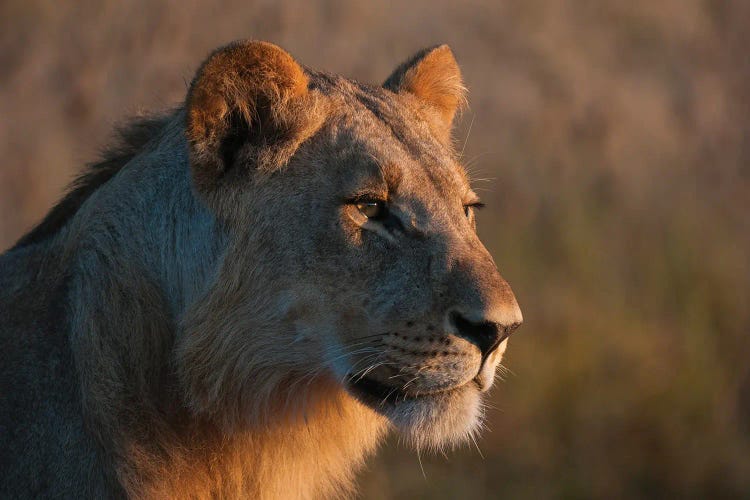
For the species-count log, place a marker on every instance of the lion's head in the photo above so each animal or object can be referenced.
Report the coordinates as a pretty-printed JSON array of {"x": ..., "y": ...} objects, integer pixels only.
[{"x": 353, "y": 260}]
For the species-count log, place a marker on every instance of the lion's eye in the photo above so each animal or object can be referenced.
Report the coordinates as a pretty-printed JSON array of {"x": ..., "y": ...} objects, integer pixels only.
[
  {"x": 371, "y": 209},
  {"x": 469, "y": 209}
]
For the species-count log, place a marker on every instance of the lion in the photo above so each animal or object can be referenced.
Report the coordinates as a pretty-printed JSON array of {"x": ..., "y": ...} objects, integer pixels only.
[{"x": 251, "y": 290}]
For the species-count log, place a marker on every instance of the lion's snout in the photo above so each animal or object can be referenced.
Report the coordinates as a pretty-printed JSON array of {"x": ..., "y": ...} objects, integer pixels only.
[
  {"x": 476, "y": 302},
  {"x": 486, "y": 335}
]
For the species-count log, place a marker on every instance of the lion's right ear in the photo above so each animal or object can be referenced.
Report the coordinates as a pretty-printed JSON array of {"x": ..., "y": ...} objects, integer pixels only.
[
  {"x": 433, "y": 76},
  {"x": 248, "y": 108}
]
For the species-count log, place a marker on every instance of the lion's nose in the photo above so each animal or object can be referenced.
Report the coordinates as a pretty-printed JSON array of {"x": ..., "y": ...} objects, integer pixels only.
[{"x": 482, "y": 332}]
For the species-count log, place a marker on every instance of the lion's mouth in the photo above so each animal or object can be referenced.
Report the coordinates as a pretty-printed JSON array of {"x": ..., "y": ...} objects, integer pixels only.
[{"x": 377, "y": 393}]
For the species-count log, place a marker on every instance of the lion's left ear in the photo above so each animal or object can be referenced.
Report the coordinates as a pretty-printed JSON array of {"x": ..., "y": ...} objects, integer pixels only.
[
  {"x": 248, "y": 109},
  {"x": 434, "y": 77}
]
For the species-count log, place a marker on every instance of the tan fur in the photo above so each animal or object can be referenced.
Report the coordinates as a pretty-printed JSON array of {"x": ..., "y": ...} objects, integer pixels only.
[
  {"x": 233, "y": 323},
  {"x": 434, "y": 77},
  {"x": 257, "y": 86},
  {"x": 310, "y": 455}
]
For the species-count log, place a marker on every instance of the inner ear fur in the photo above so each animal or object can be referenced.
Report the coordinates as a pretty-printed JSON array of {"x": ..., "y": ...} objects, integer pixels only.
[
  {"x": 433, "y": 76},
  {"x": 248, "y": 106}
]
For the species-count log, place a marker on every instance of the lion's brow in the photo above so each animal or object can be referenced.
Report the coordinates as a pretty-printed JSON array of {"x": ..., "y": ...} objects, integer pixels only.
[
  {"x": 392, "y": 174},
  {"x": 387, "y": 114}
]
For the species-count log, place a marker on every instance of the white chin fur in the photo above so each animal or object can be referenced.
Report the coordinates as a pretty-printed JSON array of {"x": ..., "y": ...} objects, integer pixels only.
[{"x": 438, "y": 421}]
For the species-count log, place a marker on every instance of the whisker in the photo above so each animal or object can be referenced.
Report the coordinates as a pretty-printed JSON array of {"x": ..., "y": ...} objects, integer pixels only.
[
  {"x": 416, "y": 376},
  {"x": 371, "y": 336},
  {"x": 371, "y": 368},
  {"x": 351, "y": 373},
  {"x": 406, "y": 385},
  {"x": 401, "y": 371},
  {"x": 472, "y": 161},
  {"x": 365, "y": 342},
  {"x": 388, "y": 396},
  {"x": 468, "y": 133},
  {"x": 474, "y": 440},
  {"x": 504, "y": 370},
  {"x": 419, "y": 459},
  {"x": 342, "y": 353},
  {"x": 361, "y": 350}
]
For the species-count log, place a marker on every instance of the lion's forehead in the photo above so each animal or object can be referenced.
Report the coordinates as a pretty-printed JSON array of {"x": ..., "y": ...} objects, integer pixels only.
[{"x": 374, "y": 132}]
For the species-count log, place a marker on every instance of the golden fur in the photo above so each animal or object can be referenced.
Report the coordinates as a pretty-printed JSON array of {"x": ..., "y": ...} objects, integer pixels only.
[{"x": 248, "y": 298}]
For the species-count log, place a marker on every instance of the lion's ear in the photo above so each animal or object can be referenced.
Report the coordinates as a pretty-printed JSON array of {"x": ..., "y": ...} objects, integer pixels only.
[
  {"x": 249, "y": 105},
  {"x": 433, "y": 76}
]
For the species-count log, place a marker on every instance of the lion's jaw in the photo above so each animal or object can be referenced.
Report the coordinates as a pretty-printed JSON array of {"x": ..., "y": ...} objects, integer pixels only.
[{"x": 433, "y": 397}]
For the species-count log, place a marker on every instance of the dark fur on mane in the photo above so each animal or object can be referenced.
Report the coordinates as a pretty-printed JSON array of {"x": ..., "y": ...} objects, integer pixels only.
[{"x": 130, "y": 140}]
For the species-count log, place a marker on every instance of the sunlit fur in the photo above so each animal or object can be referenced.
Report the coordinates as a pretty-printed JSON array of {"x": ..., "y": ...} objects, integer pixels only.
[{"x": 197, "y": 318}]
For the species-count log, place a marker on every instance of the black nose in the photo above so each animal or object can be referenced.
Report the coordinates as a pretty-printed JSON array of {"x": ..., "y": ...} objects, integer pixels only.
[{"x": 486, "y": 335}]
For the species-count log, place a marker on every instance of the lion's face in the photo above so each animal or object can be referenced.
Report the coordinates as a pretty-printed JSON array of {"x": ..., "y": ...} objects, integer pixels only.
[
  {"x": 378, "y": 277},
  {"x": 386, "y": 275}
]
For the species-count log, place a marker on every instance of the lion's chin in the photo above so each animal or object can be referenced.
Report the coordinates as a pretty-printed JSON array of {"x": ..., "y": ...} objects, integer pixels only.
[{"x": 430, "y": 421}]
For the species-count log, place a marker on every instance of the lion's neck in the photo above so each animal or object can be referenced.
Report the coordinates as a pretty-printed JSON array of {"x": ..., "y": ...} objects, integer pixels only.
[
  {"x": 314, "y": 455},
  {"x": 146, "y": 222}
]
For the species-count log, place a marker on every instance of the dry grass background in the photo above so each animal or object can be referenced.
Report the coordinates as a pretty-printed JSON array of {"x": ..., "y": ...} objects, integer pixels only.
[{"x": 615, "y": 140}]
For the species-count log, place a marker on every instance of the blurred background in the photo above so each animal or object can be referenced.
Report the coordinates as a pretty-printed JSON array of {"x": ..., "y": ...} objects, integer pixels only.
[{"x": 611, "y": 142}]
